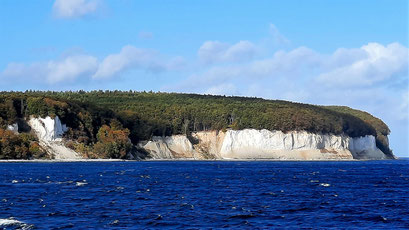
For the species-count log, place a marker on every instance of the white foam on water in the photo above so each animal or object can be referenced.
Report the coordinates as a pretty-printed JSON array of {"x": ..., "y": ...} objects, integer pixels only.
[
  {"x": 325, "y": 185},
  {"x": 81, "y": 183},
  {"x": 63, "y": 182},
  {"x": 11, "y": 222}
]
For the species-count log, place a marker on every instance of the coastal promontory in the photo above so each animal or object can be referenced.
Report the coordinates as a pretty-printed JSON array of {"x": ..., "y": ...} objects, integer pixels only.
[{"x": 147, "y": 125}]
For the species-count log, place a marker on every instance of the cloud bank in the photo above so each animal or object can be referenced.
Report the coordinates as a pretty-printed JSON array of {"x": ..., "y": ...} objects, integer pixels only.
[
  {"x": 366, "y": 66},
  {"x": 70, "y": 68},
  {"x": 66, "y": 69},
  {"x": 214, "y": 52}
]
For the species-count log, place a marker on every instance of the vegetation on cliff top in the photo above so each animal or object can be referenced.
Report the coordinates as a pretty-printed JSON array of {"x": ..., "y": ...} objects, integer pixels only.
[
  {"x": 147, "y": 114},
  {"x": 96, "y": 132}
]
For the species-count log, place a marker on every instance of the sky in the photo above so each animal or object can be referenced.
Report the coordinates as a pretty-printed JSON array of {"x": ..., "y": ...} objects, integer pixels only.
[{"x": 349, "y": 52}]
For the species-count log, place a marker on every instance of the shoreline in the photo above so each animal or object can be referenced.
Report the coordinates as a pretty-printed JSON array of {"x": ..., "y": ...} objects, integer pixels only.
[{"x": 184, "y": 159}]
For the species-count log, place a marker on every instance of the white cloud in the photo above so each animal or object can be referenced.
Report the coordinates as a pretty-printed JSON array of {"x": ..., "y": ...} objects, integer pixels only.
[
  {"x": 131, "y": 57},
  {"x": 241, "y": 51},
  {"x": 74, "y": 66},
  {"x": 70, "y": 68},
  {"x": 215, "y": 51},
  {"x": 404, "y": 106},
  {"x": 357, "y": 67},
  {"x": 128, "y": 57},
  {"x": 284, "y": 63},
  {"x": 53, "y": 71},
  {"x": 375, "y": 63},
  {"x": 212, "y": 51},
  {"x": 342, "y": 57},
  {"x": 222, "y": 89},
  {"x": 74, "y": 8},
  {"x": 281, "y": 64}
]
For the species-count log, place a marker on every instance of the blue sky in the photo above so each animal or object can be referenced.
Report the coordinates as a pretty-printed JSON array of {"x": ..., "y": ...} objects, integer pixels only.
[{"x": 352, "y": 53}]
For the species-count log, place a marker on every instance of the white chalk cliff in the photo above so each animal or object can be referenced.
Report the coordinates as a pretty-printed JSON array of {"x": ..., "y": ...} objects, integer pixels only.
[
  {"x": 49, "y": 132},
  {"x": 177, "y": 146},
  {"x": 263, "y": 144}
]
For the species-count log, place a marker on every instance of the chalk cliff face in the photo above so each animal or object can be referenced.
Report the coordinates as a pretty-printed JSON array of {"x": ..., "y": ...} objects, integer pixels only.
[
  {"x": 49, "y": 132},
  {"x": 177, "y": 146},
  {"x": 48, "y": 129},
  {"x": 232, "y": 144},
  {"x": 365, "y": 148},
  {"x": 264, "y": 144}
]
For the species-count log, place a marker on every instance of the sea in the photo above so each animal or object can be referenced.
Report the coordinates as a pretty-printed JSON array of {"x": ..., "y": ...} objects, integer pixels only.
[{"x": 205, "y": 195}]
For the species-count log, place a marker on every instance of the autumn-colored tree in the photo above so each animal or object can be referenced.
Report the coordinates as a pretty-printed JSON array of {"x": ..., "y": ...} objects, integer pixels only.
[
  {"x": 22, "y": 146},
  {"x": 112, "y": 143}
]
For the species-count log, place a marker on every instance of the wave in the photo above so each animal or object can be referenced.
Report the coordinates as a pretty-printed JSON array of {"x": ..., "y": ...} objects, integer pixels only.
[{"x": 11, "y": 223}]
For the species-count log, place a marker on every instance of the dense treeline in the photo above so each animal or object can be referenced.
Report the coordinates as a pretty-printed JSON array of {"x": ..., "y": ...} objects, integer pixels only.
[{"x": 147, "y": 114}]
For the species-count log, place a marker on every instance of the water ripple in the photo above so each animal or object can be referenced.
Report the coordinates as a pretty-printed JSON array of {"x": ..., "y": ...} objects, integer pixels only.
[{"x": 174, "y": 195}]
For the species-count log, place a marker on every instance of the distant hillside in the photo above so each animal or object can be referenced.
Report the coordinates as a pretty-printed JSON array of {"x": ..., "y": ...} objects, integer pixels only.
[{"x": 147, "y": 114}]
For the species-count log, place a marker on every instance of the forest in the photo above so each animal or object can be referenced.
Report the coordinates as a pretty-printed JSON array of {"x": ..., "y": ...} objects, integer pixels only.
[{"x": 100, "y": 121}]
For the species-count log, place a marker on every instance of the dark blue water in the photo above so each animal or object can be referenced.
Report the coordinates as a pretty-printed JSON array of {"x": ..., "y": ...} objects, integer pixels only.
[{"x": 251, "y": 195}]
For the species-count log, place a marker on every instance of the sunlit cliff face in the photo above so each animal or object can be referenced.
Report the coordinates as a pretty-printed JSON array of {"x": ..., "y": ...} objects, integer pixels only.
[{"x": 264, "y": 144}]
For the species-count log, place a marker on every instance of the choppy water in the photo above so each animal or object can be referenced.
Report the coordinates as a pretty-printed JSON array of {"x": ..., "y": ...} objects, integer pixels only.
[{"x": 365, "y": 194}]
